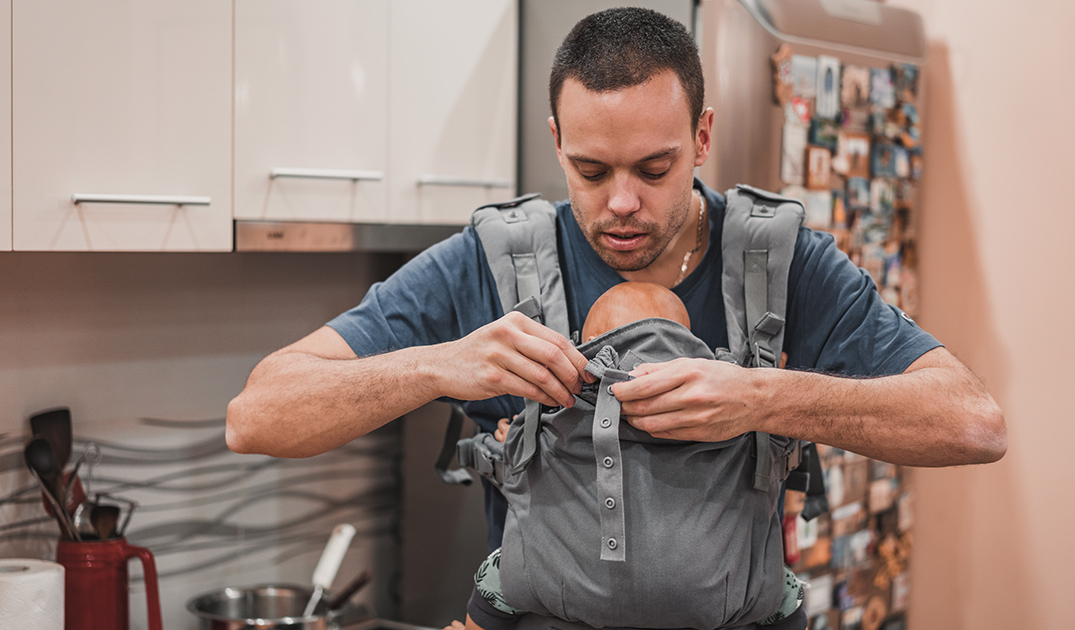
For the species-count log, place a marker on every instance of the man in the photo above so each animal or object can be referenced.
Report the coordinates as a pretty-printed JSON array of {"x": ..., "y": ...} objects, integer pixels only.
[{"x": 629, "y": 126}]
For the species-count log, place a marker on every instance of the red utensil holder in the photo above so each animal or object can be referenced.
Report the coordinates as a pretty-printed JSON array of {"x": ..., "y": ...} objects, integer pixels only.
[{"x": 96, "y": 584}]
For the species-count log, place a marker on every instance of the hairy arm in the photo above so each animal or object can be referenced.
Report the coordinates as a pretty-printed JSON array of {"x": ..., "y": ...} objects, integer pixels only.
[
  {"x": 936, "y": 413},
  {"x": 315, "y": 394}
]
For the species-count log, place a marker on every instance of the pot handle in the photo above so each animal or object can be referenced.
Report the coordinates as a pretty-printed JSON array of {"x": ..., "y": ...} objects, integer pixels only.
[{"x": 149, "y": 571}]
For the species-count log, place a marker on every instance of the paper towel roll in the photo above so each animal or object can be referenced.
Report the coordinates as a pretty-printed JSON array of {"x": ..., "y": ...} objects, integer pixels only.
[{"x": 31, "y": 594}]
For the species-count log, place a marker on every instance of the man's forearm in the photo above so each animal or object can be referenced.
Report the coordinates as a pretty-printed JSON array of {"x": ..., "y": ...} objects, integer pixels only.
[
  {"x": 297, "y": 404},
  {"x": 937, "y": 413}
]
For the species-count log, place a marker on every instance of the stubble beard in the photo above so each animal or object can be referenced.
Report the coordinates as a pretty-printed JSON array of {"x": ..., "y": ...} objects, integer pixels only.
[{"x": 641, "y": 258}]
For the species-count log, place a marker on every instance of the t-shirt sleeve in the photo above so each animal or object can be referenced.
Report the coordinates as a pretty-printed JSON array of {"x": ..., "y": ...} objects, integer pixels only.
[
  {"x": 442, "y": 294},
  {"x": 837, "y": 321}
]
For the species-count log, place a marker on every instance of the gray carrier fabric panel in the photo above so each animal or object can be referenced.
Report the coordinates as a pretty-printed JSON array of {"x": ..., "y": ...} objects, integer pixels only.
[
  {"x": 519, "y": 239},
  {"x": 758, "y": 242},
  {"x": 702, "y": 548}
]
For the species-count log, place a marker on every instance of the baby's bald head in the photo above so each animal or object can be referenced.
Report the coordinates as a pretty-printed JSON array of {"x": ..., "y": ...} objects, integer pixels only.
[{"x": 629, "y": 302}]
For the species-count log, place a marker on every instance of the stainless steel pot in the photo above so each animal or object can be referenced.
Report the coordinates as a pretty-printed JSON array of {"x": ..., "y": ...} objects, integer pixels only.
[{"x": 268, "y": 607}]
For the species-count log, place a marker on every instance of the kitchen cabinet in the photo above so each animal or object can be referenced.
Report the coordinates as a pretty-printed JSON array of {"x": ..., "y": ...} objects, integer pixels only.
[
  {"x": 453, "y": 95},
  {"x": 5, "y": 125},
  {"x": 122, "y": 125},
  {"x": 311, "y": 110}
]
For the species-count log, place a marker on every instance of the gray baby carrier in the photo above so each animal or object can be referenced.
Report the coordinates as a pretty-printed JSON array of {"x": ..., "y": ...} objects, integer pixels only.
[{"x": 608, "y": 525}]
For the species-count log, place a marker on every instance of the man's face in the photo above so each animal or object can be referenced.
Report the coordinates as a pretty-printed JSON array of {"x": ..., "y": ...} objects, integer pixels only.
[{"x": 629, "y": 156}]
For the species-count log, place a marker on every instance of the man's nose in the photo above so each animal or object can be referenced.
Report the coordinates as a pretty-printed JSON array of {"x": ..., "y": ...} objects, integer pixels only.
[{"x": 623, "y": 198}]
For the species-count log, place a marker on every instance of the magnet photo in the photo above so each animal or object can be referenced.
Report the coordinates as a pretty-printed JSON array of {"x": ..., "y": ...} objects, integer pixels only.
[
  {"x": 883, "y": 160},
  {"x": 799, "y": 111},
  {"x": 793, "y": 155},
  {"x": 781, "y": 64},
  {"x": 827, "y": 99},
  {"x": 824, "y": 133},
  {"x": 853, "y": 154},
  {"x": 882, "y": 198},
  {"x": 856, "y": 120},
  {"x": 818, "y": 168},
  {"x": 882, "y": 90},
  {"x": 818, "y": 205},
  {"x": 858, "y": 193},
  {"x": 804, "y": 76},
  {"x": 855, "y": 86},
  {"x": 906, "y": 82}
]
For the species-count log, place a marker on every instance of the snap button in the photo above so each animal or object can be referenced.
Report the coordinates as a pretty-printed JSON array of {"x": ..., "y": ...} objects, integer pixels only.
[
  {"x": 610, "y": 391},
  {"x": 610, "y": 503},
  {"x": 608, "y": 462},
  {"x": 606, "y": 423},
  {"x": 611, "y": 543}
]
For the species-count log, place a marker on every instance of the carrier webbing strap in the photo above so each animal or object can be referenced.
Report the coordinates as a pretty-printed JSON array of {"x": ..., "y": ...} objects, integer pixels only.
[{"x": 458, "y": 476}]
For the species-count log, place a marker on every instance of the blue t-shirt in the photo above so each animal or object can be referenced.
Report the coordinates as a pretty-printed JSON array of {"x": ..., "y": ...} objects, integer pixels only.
[{"x": 837, "y": 322}]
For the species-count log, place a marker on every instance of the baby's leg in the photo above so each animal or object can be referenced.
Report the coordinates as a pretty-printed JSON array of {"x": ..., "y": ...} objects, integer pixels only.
[
  {"x": 794, "y": 594},
  {"x": 487, "y": 609}
]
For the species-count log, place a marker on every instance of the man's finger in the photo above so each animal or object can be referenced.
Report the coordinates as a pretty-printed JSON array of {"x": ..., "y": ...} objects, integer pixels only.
[
  {"x": 541, "y": 383},
  {"x": 572, "y": 369},
  {"x": 649, "y": 383}
]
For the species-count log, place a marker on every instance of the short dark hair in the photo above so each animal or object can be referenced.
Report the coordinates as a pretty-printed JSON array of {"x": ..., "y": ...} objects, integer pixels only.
[{"x": 624, "y": 47}]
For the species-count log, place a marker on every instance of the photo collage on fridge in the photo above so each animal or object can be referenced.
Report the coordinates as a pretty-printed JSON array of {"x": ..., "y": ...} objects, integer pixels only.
[{"x": 851, "y": 152}]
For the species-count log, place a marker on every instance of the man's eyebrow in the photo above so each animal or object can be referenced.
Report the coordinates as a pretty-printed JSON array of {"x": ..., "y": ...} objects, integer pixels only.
[{"x": 663, "y": 153}]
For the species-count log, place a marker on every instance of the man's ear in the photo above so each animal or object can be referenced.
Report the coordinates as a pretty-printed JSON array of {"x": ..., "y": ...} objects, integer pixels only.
[
  {"x": 703, "y": 137},
  {"x": 556, "y": 139}
]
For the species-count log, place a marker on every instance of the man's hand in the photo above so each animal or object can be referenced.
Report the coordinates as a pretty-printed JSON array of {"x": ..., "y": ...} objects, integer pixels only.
[
  {"x": 513, "y": 355},
  {"x": 689, "y": 399}
]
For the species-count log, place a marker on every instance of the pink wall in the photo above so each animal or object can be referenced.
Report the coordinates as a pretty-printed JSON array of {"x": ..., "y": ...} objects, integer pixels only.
[{"x": 994, "y": 544}]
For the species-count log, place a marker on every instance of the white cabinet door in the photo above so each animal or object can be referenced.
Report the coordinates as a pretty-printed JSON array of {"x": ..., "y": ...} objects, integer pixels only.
[
  {"x": 130, "y": 101},
  {"x": 452, "y": 107},
  {"x": 311, "y": 110},
  {"x": 5, "y": 125}
]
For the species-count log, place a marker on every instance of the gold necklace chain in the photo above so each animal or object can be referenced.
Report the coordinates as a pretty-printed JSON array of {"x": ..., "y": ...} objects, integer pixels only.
[{"x": 697, "y": 241}]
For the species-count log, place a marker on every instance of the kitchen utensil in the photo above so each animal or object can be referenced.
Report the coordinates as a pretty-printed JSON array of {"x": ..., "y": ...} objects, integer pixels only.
[
  {"x": 345, "y": 595},
  {"x": 80, "y": 521},
  {"x": 55, "y": 426},
  {"x": 104, "y": 519},
  {"x": 264, "y": 607},
  {"x": 96, "y": 585},
  {"x": 40, "y": 461},
  {"x": 329, "y": 563},
  {"x": 91, "y": 453}
]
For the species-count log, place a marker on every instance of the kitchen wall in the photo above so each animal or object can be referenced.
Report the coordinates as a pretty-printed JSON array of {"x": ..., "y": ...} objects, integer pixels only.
[
  {"x": 147, "y": 350},
  {"x": 993, "y": 543}
]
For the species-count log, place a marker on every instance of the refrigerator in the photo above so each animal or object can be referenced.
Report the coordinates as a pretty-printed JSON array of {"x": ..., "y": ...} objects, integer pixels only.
[{"x": 821, "y": 100}]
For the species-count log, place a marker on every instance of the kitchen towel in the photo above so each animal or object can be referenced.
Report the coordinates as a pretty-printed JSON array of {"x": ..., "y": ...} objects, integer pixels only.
[{"x": 31, "y": 594}]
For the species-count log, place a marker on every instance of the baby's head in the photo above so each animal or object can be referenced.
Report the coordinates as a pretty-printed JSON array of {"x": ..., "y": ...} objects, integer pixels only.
[{"x": 629, "y": 302}]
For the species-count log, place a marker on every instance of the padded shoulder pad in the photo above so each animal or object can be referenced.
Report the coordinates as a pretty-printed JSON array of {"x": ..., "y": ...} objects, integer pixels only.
[
  {"x": 519, "y": 239},
  {"x": 758, "y": 243}
]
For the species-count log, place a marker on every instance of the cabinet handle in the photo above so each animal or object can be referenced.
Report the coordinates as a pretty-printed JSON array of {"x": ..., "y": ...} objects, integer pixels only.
[
  {"x": 155, "y": 200},
  {"x": 449, "y": 180},
  {"x": 326, "y": 173}
]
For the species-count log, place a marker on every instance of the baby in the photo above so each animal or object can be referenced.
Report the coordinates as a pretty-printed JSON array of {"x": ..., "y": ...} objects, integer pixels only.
[{"x": 623, "y": 304}]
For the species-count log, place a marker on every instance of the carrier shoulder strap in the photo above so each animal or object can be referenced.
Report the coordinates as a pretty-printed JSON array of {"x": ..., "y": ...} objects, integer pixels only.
[
  {"x": 519, "y": 239},
  {"x": 757, "y": 245}
]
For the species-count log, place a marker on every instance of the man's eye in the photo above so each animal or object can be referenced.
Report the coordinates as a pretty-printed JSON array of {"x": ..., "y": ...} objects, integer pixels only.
[
  {"x": 593, "y": 177},
  {"x": 652, "y": 175}
]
